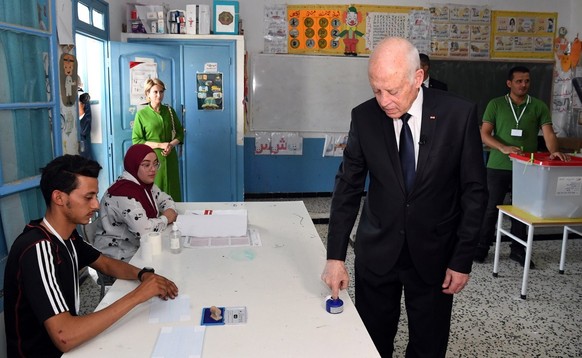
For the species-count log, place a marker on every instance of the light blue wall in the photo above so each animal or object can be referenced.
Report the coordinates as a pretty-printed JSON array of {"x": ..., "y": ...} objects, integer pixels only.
[{"x": 307, "y": 173}]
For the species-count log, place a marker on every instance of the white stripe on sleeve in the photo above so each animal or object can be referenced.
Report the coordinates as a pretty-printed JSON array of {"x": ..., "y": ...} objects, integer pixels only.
[{"x": 48, "y": 276}]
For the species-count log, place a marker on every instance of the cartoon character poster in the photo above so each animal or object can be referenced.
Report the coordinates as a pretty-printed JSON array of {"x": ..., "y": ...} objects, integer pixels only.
[
  {"x": 68, "y": 76},
  {"x": 350, "y": 33},
  {"x": 209, "y": 91}
]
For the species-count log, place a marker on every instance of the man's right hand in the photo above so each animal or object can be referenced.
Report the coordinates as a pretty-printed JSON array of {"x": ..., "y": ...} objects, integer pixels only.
[
  {"x": 508, "y": 149},
  {"x": 156, "y": 285},
  {"x": 335, "y": 276}
]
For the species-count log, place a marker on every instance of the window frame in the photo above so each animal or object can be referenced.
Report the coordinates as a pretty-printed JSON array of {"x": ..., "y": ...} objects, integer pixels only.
[
  {"x": 89, "y": 29},
  {"x": 52, "y": 105}
]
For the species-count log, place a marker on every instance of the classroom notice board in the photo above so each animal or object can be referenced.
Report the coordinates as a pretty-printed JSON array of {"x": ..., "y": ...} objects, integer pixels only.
[{"x": 299, "y": 93}]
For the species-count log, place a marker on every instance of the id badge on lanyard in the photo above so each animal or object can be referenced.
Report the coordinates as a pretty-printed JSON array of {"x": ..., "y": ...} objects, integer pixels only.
[{"x": 516, "y": 132}]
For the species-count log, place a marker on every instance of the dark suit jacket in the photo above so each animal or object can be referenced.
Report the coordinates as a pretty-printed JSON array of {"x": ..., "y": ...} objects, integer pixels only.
[
  {"x": 440, "y": 217},
  {"x": 432, "y": 83}
]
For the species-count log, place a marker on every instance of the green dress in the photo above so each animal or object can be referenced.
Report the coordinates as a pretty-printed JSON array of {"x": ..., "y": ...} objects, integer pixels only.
[{"x": 150, "y": 126}]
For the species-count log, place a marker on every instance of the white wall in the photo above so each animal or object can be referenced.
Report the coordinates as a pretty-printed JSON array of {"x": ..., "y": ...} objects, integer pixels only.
[{"x": 251, "y": 12}]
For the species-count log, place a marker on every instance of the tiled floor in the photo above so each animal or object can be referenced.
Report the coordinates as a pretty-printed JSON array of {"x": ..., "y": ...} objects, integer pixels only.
[{"x": 489, "y": 318}]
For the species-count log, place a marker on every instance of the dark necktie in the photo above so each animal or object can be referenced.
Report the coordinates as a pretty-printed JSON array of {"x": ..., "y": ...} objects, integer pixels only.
[{"x": 406, "y": 152}]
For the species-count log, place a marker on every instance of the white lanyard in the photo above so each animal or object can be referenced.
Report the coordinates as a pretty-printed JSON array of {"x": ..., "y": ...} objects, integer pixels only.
[
  {"x": 73, "y": 260},
  {"x": 151, "y": 202},
  {"x": 517, "y": 119}
]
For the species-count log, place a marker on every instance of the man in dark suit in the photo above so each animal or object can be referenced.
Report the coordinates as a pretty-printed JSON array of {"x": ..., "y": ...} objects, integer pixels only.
[
  {"x": 421, "y": 239},
  {"x": 428, "y": 81}
]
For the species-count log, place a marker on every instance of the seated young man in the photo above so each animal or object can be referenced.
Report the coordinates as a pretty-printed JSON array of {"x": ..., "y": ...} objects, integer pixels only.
[{"x": 41, "y": 283}]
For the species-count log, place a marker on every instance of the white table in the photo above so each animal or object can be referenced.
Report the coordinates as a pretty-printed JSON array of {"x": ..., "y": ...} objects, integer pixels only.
[
  {"x": 567, "y": 230},
  {"x": 279, "y": 283},
  {"x": 531, "y": 222}
]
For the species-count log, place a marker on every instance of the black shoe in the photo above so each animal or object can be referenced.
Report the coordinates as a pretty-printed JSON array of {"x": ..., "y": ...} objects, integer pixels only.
[
  {"x": 519, "y": 256},
  {"x": 481, "y": 254}
]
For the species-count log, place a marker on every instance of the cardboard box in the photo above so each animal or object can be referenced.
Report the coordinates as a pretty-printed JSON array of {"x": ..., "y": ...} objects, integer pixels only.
[
  {"x": 203, "y": 19},
  {"x": 213, "y": 223},
  {"x": 197, "y": 19},
  {"x": 192, "y": 19},
  {"x": 547, "y": 188}
]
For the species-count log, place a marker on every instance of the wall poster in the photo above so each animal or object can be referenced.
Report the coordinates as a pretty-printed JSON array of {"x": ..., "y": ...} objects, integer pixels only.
[
  {"x": 460, "y": 31},
  {"x": 519, "y": 34},
  {"x": 209, "y": 91},
  {"x": 349, "y": 30},
  {"x": 140, "y": 71},
  {"x": 68, "y": 79},
  {"x": 275, "y": 29}
]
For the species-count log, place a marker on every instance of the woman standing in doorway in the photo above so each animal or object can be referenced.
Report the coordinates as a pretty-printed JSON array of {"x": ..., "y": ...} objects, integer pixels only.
[{"x": 157, "y": 126}]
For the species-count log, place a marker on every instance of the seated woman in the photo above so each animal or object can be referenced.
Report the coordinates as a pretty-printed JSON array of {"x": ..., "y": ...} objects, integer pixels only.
[{"x": 133, "y": 206}]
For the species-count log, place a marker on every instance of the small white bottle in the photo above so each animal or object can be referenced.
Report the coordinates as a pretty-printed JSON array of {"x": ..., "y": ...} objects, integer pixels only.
[{"x": 175, "y": 240}]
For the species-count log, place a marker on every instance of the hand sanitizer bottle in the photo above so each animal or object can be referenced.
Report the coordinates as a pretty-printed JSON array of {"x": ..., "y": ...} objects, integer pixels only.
[{"x": 175, "y": 240}]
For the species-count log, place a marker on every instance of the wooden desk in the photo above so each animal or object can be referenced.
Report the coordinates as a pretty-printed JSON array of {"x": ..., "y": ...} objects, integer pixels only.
[
  {"x": 279, "y": 283},
  {"x": 532, "y": 222}
]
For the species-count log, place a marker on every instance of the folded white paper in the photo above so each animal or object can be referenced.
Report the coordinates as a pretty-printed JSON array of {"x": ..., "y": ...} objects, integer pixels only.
[{"x": 213, "y": 223}]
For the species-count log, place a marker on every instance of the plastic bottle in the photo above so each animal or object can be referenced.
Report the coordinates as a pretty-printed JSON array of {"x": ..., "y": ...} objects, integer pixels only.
[{"x": 175, "y": 240}]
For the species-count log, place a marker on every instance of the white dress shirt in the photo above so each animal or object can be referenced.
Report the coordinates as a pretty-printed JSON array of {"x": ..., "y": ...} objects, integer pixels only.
[{"x": 414, "y": 123}]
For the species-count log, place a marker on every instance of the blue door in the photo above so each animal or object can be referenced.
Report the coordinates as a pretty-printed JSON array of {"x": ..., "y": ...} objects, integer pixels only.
[
  {"x": 211, "y": 164},
  {"x": 211, "y": 170},
  {"x": 125, "y": 60}
]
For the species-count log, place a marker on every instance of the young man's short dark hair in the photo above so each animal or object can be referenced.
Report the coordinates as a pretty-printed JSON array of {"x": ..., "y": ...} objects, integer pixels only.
[
  {"x": 61, "y": 174},
  {"x": 84, "y": 98},
  {"x": 520, "y": 69}
]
